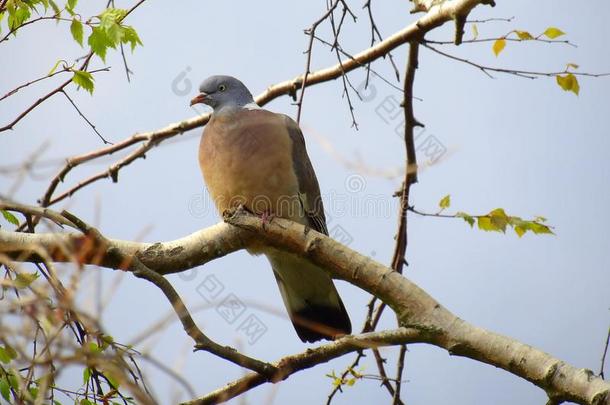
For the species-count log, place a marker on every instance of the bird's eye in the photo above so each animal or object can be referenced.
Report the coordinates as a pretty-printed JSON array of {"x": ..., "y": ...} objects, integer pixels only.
[{"x": 222, "y": 87}]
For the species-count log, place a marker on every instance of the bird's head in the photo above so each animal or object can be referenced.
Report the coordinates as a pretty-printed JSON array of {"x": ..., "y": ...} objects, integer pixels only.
[{"x": 222, "y": 91}]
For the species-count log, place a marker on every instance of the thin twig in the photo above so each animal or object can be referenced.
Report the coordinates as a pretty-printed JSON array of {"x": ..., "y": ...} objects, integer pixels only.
[
  {"x": 344, "y": 374},
  {"x": 311, "y": 32},
  {"x": 385, "y": 381},
  {"x": 528, "y": 74},
  {"x": 375, "y": 32},
  {"x": 85, "y": 118},
  {"x": 475, "y": 41},
  {"x": 399, "y": 368},
  {"x": 65, "y": 68},
  {"x": 603, "y": 360},
  {"x": 127, "y": 70},
  {"x": 344, "y": 78}
]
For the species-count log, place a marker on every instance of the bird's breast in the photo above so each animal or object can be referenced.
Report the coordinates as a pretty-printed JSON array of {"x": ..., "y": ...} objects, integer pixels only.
[{"x": 249, "y": 162}]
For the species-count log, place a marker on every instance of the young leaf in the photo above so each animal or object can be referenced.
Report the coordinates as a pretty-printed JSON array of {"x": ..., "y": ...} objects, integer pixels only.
[
  {"x": 538, "y": 228},
  {"x": 86, "y": 375},
  {"x": 76, "y": 28},
  {"x": 10, "y": 217},
  {"x": 499, "y": 46},
  {"x": 18, "y": 16},
  {"x": 56, "y": 9},
  {"x": 131, "y": 36},
  {"x": 484, "y": 223},
  {"x": 99, "y": 42},
  {"x": 4, "y": 357},
  {"x": 5, "y": 389},
  {"x": 524, "y": 35},
  {"x": 23, "y": 280},
  {"x": 475, "y": 31},
  {"x": 553, "y": 32},
  {"x": 445, "y": 202},
  {"x": 466, "y": 218},
  {"x": 499, "y": 219},
  {"x": 83, "y": 79},
  {"x": 569, "y": 82},
  {"x": 54, "y": 68},
  {"x": 70, "y": 6}
]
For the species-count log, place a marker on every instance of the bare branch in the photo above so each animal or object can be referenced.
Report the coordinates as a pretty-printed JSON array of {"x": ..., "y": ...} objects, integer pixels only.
[
  {"x": 528, "y": 74},
  {"x": 85, "y": 118},
  {"x": 202, "y": 342},
  {"x": 604, "y": 353},
  {"x": 423, "y": 319},
  {"x": 399, "y": 369}
]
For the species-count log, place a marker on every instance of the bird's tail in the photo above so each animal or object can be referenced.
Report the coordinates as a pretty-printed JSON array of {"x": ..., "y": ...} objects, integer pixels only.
[{"x": 312, "y": 301}]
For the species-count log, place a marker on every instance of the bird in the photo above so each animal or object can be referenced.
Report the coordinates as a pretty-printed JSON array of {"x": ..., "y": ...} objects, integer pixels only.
[{"x": 257, "y": 159}]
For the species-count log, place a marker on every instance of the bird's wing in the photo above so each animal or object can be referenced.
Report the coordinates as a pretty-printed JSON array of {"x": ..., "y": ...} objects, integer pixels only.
[{"x": 309, "y": 190}]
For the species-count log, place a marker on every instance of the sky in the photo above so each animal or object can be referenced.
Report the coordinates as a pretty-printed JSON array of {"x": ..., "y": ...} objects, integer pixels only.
[{"x": 523, "y": 145}]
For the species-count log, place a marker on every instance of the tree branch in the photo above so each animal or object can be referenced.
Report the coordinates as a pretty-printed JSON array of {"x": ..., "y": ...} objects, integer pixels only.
[
  {"x": 424, "y": 319},
  {"x": 437, "y": 16},
  {"x": 202, "y": 342}
]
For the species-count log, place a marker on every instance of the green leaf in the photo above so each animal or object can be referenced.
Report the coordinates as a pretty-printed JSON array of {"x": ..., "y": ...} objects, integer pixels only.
[
  {"x": 23, "y": 280},
  {"x": 18, "y": 16},
  {"x": 70, "y": 5},
  {"x": 569, "y": 82},
  {"x": 524, "y": 35},
  {"x": 11, "y": 352},
  {"x": 445, "y": 202},
  {"x": 111, "y": 16},
  {"x": 94, "y": 348},
  {"x": 86, "y": 375},
  {"x": 107, "y": 340},
  {"x": 85, "y": 401},
  {"x": 10, "y": 217},
  {"x": 76, "y": 28},
  {"x": 553, "y": 32},
  {"x": 131, "y": 36},
  {"x": 499, "y": 46},
  {"x": 99, "y": 42},
  {"x": 539, "y": 228},
  {"x": 33, "y": 392},
  {"x": 56, "y": 9},
  {"x": 484, "y": 223},
  {"x": 5, "y": 389},
  {"x": 520, "y": 226},
  {"x": 466, "y": 217},
  {"x": 4, "y": 356},
  {"x": 54, "y": 68},
  {"x": 83, "y": 79},
  {"x": 499, "y": 219},
  {"x": 571, "y": 66}
]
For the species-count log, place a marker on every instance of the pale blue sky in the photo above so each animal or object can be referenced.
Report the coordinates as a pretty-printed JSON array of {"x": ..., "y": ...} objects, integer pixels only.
[{"x": 524, "y": 145}]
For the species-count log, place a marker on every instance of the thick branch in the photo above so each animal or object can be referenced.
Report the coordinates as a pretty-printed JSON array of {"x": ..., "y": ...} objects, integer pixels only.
[
  {"x": 202, "y": 342},
  {"x": 416, "y": 310}
]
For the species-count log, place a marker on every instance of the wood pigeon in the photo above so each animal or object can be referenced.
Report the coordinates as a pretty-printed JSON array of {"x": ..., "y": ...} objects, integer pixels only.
[{"x": 256, "y": 158}]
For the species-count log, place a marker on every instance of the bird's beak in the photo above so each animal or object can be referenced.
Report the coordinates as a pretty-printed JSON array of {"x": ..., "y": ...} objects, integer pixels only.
[{"x": 199, "y": 99}]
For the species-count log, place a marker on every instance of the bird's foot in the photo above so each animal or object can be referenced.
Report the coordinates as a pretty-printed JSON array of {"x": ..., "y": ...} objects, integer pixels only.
[{"x": 267, "y": 217}]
